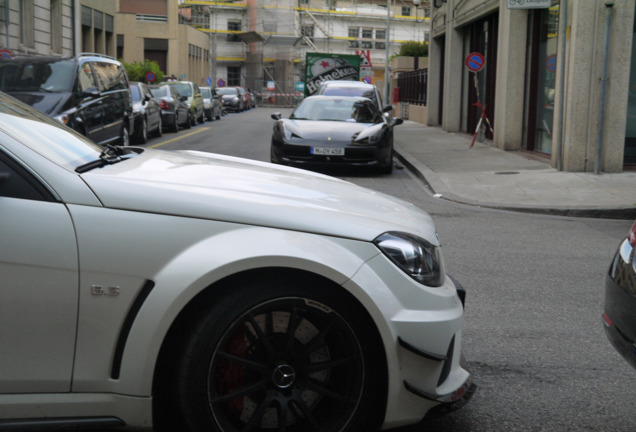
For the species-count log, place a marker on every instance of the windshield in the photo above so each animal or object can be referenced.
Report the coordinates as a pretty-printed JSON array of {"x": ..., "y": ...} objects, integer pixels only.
[
  {"x": 44, "y": 135},
  {"x": 51, "y": 76},
  {"x": 183, "y": 89},
  {"x": 337, "y": 109},
  {"x": 205, "y": 92},
  {"x": 349, "y": 91},
  {"x": 158, "y": 91},
  {"x": 227, "y": 91}
]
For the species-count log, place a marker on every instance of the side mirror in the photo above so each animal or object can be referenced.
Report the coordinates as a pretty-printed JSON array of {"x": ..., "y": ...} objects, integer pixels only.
[
  {"x": 387, "y": 108},
  {"x": 277, "y": 116},
  {"x": 397, "y": 121},
  {"x": 147, "y": 98},
  {"x": 183, "y": 98}
]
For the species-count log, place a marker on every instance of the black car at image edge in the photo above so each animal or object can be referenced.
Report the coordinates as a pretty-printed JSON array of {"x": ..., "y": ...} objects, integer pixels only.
[
  {"x": 619, "y": 315},
  {"x": 88, "y": 92}
]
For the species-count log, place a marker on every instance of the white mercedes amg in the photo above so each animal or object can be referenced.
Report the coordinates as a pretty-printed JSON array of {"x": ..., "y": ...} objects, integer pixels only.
[{"x": 192, "y": 291}]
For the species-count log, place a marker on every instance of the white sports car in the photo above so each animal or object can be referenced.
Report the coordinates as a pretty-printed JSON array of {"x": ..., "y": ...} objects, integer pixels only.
[{"x": 194, "y": 291}]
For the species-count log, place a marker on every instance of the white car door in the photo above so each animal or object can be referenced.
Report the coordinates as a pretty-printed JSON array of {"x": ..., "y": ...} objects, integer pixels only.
[{"x": 38, "y": 286}]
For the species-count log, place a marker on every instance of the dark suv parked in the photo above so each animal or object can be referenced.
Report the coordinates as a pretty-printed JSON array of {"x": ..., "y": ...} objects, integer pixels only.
[{"x": 88, "y": 92}]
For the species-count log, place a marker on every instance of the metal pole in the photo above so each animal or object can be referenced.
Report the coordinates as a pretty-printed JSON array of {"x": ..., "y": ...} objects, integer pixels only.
[
  {"x": 388, "y": 48},
  {"x": 603, "y": 96},
  {"x": 563, "y": 23}
]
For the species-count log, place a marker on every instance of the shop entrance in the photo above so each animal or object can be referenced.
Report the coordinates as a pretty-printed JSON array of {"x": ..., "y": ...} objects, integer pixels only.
[
  {"x": 540, "y": 79},
  {"x": 482, "y": 38}
]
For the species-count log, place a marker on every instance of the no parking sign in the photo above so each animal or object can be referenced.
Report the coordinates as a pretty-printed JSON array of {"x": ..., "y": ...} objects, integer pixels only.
[{"x": 475, "y": 62}]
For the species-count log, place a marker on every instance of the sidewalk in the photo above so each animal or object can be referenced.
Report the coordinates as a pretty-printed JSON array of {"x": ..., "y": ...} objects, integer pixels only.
[{"x": 489, "y": 177}]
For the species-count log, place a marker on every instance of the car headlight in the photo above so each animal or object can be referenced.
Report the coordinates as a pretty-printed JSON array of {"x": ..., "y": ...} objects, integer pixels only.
[
  {"x": 416, "y": 257},
  {"x": 235, "y": 100}
]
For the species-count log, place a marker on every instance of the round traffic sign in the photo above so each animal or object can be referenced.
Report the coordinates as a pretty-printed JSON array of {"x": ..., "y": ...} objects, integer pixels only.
[
  {"x": 150, "y": 77},
  {"x": 220, "y": 83},
  {"x": 208, "y": 80},
  {"x": 475, "y": 61},
  {"x": 551, "y": 63}
]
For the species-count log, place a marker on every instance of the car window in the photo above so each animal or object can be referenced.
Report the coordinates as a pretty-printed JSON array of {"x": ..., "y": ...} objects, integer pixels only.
[
  {"x": 109, "y": 76},
  {"x": 17, "y": 182},
  {"x": 227, "y": 91},
  {"x": 86, "y": 78},
  {"x": 183, "y": 89},
  {"x": 134, "y": 91},
  {"x": 52, "y": 76},
  {"x": 205, "y": 92},
  {"x": 158, "y": 91},
  {"x": 337, "y": 109},
  {"x": 349, "y": 91}
]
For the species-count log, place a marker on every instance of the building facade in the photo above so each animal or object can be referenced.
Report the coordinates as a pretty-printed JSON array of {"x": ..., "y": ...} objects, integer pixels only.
[
  {"x": 259, "y": 42},
  {"x": 556, "y": 80},
  {"x": 37, "y": 27},
  {"x": 151, "y": 30}
]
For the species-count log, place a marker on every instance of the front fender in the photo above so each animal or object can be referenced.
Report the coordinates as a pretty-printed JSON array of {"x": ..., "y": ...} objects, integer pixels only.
[{"x": 203, "y": 264}]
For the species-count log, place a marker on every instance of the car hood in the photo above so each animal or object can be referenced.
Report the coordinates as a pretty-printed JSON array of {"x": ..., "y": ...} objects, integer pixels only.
[
  {"x": 325, "y": 130},
  {"x": 224, "y": 188},
  {"x": 47, "y": 103}
]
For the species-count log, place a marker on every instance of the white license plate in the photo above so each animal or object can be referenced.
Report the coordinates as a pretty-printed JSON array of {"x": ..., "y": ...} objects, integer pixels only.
[{"x": 328, "y": 151}]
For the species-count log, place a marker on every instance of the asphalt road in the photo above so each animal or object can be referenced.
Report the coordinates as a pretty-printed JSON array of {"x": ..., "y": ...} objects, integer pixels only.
[{"x": 533, "y": 336}]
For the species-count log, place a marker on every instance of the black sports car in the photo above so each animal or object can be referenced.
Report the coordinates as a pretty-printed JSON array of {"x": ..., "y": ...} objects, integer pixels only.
[
  {"x": 619, "y": 315},
  {"x": 334, "y": 130}
]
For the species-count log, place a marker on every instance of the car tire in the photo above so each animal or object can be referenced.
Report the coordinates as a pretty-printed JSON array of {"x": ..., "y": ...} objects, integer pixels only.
[
  {"x": 124, "y": 137},
  {"x": 143, "y": 133},
  {"x": 188, "y": 123},
  {"x": 176, "y": 126},
  {"x": 193, "y": 119},
  {"x": 278, "y": 343},
  {"x": 159, "y": 130},
  {"x": 202, "y": 118},
  {"x": 218, "y": 116}
]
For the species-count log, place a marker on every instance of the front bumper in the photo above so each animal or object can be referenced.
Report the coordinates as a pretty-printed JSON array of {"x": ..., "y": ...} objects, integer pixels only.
[
  {"x": 422, "y": 333},
  {"x": 354, "y": 155}
]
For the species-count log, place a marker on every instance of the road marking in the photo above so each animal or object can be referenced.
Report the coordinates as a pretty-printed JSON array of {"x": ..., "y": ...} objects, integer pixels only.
[{"x": 179, "y": 137}]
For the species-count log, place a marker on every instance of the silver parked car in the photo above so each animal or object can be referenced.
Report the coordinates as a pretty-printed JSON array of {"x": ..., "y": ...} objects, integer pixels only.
[
  {"x": 204, "y": 292},
  {"x": 211, "y": 103}
]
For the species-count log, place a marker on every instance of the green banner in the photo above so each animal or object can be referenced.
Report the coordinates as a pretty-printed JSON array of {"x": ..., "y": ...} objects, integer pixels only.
[{"x": 321, "y": 67}]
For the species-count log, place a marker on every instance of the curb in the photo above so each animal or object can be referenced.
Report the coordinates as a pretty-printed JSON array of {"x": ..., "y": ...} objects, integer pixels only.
[{"x": 429, "y": 177}]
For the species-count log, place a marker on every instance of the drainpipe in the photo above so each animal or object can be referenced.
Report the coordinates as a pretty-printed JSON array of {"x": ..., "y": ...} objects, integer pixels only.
[
  {"x": 387, "y": 80},
  {"x": 563, "y": 28},
  {"x": 603, "y": 96}
]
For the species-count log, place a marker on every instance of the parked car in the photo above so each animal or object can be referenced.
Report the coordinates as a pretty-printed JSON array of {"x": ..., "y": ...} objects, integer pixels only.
[
  {"x": 211, "y": 104},
  {"x": 88, "y": 93},
  {"x": 352, "y": 88},
  {"x": 247, "y": 97},
  {"x": 194, "y": 99},
  {"x": 146, "y": 112},
  {"x": 175, "y": 112},
  {"x": 143, "y": 285},
  {"x": 232, "y": 99},
  {"x": 252, "y": 98},
  {"x": 334, "y": 130},
  {"x": 619, "y": 314}
]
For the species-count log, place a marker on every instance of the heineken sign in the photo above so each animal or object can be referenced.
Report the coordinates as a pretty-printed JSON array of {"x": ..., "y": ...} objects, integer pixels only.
[{"x": 321, "y": 67}]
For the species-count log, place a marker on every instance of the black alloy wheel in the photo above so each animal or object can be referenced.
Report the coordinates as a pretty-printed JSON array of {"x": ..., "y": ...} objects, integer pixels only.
[{"x": 274, "y": 358}]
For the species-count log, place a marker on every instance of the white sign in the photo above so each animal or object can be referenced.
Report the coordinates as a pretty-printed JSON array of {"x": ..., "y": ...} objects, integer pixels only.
[{"x": 528, "y": 4}]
